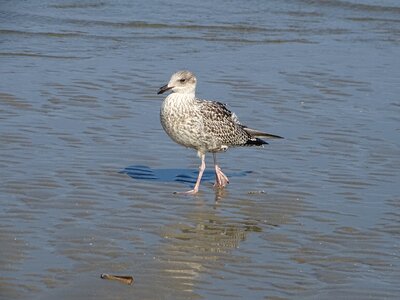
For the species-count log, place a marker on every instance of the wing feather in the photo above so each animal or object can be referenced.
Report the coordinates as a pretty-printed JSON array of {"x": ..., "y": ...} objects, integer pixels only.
[{"x": 221, "y": 125}]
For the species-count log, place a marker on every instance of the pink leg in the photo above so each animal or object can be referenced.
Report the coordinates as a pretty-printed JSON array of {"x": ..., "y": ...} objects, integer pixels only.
[
  {"x": 201, "y": 171},
  {"x": 221, "y": 180}
]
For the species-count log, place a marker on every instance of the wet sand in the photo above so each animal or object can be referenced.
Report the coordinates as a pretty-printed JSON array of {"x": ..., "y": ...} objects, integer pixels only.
[{"x": 88, "y": 174}]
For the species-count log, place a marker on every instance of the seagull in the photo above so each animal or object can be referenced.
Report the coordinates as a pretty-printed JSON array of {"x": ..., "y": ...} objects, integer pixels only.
[{"x": 204, "y": 125}]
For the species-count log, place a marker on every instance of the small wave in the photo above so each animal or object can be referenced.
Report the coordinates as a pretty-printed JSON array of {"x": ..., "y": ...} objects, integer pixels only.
[
  {"x": 30, "y": 54},
  {"x": 355, "y": 6},
  {"x": 78, "y": 5}
]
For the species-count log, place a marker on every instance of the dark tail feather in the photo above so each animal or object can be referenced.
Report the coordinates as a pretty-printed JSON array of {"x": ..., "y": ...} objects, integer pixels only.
[
  {"x": 254, "y": 132},
  {"x": 255, "y": 142}
]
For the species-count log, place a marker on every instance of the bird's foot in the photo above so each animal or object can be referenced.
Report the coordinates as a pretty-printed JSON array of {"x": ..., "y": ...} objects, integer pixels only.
[
  {"x": 191, "y": 192},
  {"x": 221, "y": 180}
]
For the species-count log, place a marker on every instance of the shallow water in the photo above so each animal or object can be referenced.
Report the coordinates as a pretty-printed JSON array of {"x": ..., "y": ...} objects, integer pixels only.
[{"x": 88, "y": 174}]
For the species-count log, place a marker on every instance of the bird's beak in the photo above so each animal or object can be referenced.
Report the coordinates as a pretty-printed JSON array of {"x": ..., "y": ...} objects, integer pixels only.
[{"x": 164, "y": 89}]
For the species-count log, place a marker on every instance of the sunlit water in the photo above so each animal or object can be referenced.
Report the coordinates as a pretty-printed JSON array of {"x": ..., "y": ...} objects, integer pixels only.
[{"x": 88, "y": 175}]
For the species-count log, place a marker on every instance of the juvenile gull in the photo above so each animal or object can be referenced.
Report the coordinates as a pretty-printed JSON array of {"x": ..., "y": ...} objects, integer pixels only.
[{"x": 206, "y": 126}]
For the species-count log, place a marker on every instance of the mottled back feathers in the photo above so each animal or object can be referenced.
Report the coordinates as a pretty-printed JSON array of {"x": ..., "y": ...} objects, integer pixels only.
[{"x": 221, "y": 124}]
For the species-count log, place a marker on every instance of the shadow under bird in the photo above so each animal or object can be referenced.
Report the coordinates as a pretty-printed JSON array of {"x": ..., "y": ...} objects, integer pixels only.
[{"x": 206, "y": 126}]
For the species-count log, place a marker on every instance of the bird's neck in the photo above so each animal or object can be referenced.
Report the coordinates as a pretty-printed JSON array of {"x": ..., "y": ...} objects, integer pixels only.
[
  {"x": 180, "y": 98},
  {"x": 178, "y": 102}
]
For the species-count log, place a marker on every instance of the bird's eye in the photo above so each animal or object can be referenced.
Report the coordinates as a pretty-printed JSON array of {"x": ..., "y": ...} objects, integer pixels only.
[{"x": 182, "y": 80}]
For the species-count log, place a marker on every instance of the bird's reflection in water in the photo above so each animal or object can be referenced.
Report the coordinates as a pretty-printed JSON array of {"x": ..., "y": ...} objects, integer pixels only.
[
  {"x": 203, "y": 240},
  {"x": 220, "y": 194}
]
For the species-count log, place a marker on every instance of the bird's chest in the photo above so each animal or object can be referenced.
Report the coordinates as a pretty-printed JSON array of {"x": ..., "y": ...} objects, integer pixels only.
[
  {"x": 173, "y": 116},
  {"x": 180, "y": 122}
]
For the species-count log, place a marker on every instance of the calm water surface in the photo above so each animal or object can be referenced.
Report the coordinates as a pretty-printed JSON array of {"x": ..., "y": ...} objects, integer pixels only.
[{"x": 88, "y": 175}]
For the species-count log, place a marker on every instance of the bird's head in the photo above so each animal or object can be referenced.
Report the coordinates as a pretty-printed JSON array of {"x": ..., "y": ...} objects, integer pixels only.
[{"x": 183, "y": 82}]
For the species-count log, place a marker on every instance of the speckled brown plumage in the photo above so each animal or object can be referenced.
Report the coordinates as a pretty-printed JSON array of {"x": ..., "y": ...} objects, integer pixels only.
[{"x": 207, "y": 126}]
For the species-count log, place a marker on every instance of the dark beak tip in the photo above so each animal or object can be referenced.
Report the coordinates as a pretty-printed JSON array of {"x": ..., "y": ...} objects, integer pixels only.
[{"x": 164, "y": 89}]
